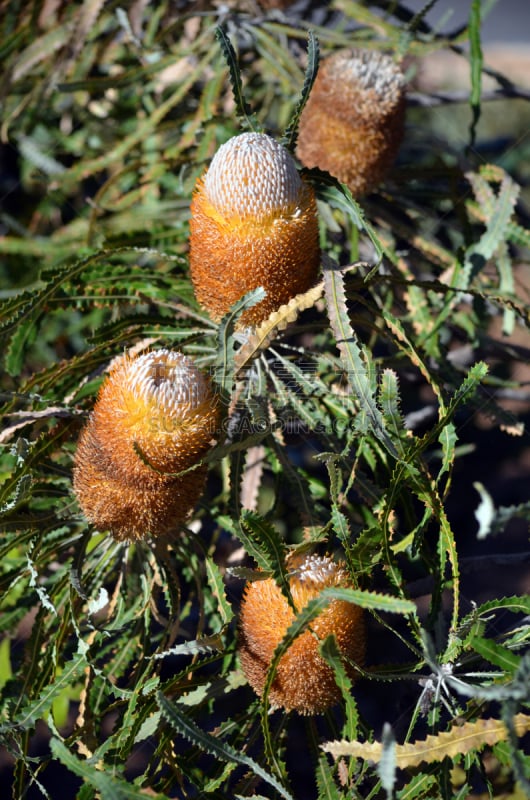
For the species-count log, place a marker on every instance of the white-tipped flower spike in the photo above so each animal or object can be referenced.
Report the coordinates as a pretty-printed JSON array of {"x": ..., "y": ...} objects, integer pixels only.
[
  {"x": 353, "y": 123},
  {"x": 304, "y": 682},
  {"x": 155, "y": 416},
  {"x": 253, "y": 223}
]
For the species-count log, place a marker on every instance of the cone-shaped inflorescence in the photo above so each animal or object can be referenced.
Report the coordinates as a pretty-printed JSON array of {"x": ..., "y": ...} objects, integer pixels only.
[
  {"x": 155, "y": 416},
  {"x": 353, "y": 123},
  {"x": 304, "y": 682},
  {"x": 253, "y": 223}
]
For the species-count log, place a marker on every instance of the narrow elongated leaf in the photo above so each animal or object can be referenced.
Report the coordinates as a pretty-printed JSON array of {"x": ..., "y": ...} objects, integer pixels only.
[
  {"x": 355, "y": 359},
  {"x": 389, "y": 403},
  {"x": 215, "y": 746},
  {"x": 496, "y": 654},
  {"x": 458, "y": 740},
  {"x": 252, "y": 477},
  {"x": 267, "y": 547},
  {"x": 242, "y": 108},
  {"x": 368, "y": 600},
  {"x": 339, "y": 196},
  {"x": 515, "y": 604},
  {"x": 340, "y": 525},
  {"x": 327, "y": 788},
  {"x": 20, "y": 492},
  {"x": 467, "y": 388},
  {"x": 313, "y": 55},
  {"x": 206, "y": 644},
  {"x": 39, "y": 708},
  {"x": 421, "y": 786},
  {"x": 225, "y": 364},
  {"x": 506, "y": 286},
  {"x": 215, "y": 581},
  {"x": 447, "y": 552},
  {"x": 22, "y": 316},
  {"x": 499, "y": 213},
  {"x": 109, "y": 786},
  {"x": 329, "y": 650},
  {"x": 412, "y": 348},
  {"x": 476, "y": 65},
  {"x": 499, "y": 218},
  {"x": 448, "y": 440}
]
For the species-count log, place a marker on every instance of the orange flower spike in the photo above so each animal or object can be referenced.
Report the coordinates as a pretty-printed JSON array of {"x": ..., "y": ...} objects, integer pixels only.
[
  {"x": 155, "y": 415},
  {"x": 353, "y": 122},
  {"x": 253, "y": 223},
  {"x": 303, "y": 682}
]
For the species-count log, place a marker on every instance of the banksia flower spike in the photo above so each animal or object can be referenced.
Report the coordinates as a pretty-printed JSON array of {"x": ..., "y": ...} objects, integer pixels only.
[
  {"x": 253, "y": 223},
  {"x": 304, "y": 682},
  {"x": 155, "y": 416},
  {"x": 353, "y": 122}
]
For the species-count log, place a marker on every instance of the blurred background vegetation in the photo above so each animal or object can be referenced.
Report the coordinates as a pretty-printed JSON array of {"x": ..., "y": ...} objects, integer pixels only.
[{"x": 406, "y": 451}]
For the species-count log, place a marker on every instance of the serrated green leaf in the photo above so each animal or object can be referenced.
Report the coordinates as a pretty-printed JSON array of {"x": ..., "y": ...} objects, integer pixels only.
[
  {"x": 389, "y": 403},
  {"x": 148, "y": 727},
  {"x": 216, "y": 584},
  {"x": 448, "y": 440},
  {"x": 340, "y": 525},
  {"x": 327, "y": 788},
  {"x": 501, "y": 213},
  {"x": 496, "y": 229},
  {"x": 447, "y": 552},
  {"x": 368, "y": 600},
  {"x": 86, "y": 792},
  {"x": 495, "y": 653},
  {"x": 419, "y": 788},
  {"x": 267, "y": 547},
  {"x": 22, "y": 316},
  {"x": 355, "y": 359},
  {"x": 224, "y": 365},
  {"x": 215, "y": 746},
  {"x": 39, "y": 708},
  {"x": 339, "y": 196},
  {"x": 517, "y": 605},
  {"x": 313, "y": 55},
  {"x": 19, "y": 493},
  {"x": 463, "y": 394},
  {"x": 329, "y": 650},
  {"x": 206, "y": 644},
  {"x": 109, "y": 786},
  {"x": 242, "y": 108},
  {"x": 285, "y": 398}
]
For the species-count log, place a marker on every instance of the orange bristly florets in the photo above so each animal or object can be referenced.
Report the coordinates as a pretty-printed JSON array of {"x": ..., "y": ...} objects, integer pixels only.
[
  {"x": 155, "y": 416},
  {"x": 353, "y": 123},
  {"x": 304, "y": 682},
  {"x": 253, "y": 223}
]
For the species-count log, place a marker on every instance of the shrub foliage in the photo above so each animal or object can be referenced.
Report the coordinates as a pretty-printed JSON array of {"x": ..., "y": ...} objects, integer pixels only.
[{"x": 351, "y": 416}]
